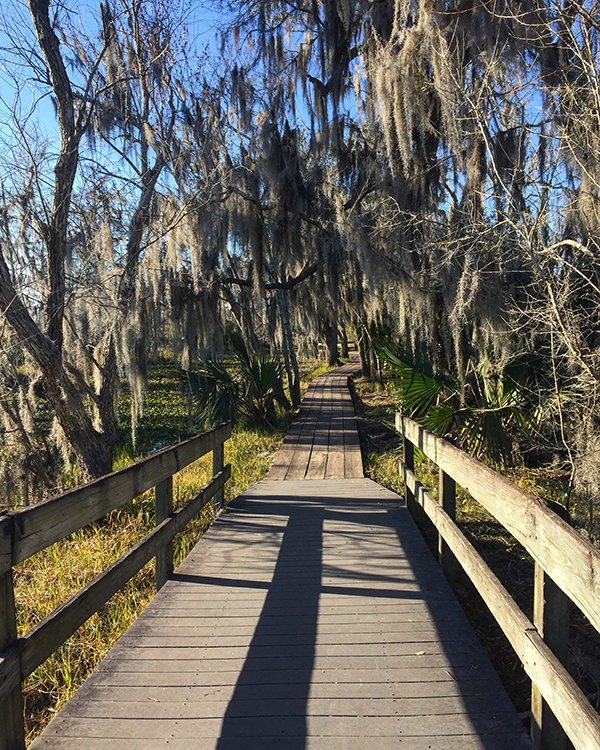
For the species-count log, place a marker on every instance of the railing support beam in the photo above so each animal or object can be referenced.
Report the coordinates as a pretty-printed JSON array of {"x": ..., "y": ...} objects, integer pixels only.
[
  {"x": 447, "y": 494},
  {"x": 409, "y": 461},
  {"x": 218, "y": 463},
  {"x": 163, "y": 503},
  {"x": 551, "y": 619},
  {"x": 12, "y": 726}
]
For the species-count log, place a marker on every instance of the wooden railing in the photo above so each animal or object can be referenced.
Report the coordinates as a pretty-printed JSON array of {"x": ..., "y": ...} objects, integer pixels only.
[
  {"x": 566, "y": 565},
  {"x": 27, "y": 531}
]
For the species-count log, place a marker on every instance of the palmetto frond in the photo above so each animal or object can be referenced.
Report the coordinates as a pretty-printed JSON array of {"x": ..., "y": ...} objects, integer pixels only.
[
  {"x": 418, "y": 388},
  {"x": 481, "y": 428}
]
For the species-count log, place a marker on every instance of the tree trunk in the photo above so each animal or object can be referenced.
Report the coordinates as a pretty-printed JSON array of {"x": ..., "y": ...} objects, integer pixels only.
[
  {"x": 94, "y": 448},
  {"x": 288, "y": 348},
  {"x": 344, "y": 340},
  {"x": 54, "y": 231},
  {"x": 363, "y": 351},
  {"x": 331, "y": 340}
]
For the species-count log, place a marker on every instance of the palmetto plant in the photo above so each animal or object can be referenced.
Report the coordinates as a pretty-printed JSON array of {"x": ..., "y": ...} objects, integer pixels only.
[
  {"x": 482, "y": 423},
  {"x": 250, "y": 387}
]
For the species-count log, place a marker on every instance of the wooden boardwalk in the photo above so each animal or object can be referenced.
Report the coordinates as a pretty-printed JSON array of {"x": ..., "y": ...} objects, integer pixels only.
[
  {"x": 311, "y": 616},
  {"x": 322, "y": 442}
]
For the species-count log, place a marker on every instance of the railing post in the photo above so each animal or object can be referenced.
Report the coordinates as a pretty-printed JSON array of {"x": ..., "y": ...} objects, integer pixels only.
[
  {"x": 551, "y": 618},
  {"x": 409, "y": 461},
  {"x": 448, "y": 502},
  {"x": 218, "y": 463},
  {"x": 12, "y": 725},
  {"x": 163, "y": 505}
]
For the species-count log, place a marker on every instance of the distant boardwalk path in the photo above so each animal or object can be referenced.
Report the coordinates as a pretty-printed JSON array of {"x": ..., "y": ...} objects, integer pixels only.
[
  {"x": 311, "y": 616},
  {"x": 322, "y": 442}
]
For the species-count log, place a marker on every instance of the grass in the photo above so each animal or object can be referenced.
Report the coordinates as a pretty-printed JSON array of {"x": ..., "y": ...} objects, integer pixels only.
[
  {"x": 49, "y": 578},
  {"x": 382, "y": 450}
]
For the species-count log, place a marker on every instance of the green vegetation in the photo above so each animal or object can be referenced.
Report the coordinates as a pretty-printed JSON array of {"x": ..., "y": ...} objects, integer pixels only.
[
  {"x": 251, "y": 387},
  {"x": 480, "y": 416}
]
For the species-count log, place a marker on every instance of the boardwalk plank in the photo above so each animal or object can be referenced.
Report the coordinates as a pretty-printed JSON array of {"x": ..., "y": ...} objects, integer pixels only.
[
  {"x": 247, "y": 728},
  {"x": 508, "y": 741},
  {"x": 408, "y": 691},
  {"x": 98, "y": 708}
]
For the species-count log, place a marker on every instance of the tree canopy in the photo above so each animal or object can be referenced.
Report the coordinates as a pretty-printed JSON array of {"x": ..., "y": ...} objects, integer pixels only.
[{"x": 308, "y": 172}]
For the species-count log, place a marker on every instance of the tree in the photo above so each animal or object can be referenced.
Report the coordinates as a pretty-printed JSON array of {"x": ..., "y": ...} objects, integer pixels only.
[{"x": 96, "y": 216}]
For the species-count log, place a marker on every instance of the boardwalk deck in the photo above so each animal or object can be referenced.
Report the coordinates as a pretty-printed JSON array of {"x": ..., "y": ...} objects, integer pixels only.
[
  {"x": 311, "y": 616},
  {"x": 322, "y": 442}
]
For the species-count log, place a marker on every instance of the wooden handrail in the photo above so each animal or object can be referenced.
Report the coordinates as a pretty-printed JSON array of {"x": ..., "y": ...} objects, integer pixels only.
[
  {"x": 569, "y": 559},
  {"x": 25, "y": 532},
  {"x": 558, "y": 550},
  {"x": 38, "y": 526}
]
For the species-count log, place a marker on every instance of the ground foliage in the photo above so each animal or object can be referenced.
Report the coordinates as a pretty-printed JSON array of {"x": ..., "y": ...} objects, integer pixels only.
[{"x": 250, "y": 386}]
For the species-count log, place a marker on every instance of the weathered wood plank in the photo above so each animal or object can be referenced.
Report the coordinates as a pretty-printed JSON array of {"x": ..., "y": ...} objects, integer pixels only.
[
  {"x": 43, "y": 524},
  {"x": 551, "y": 617},
  {"x": 314, "y": 435},
  {"x": 139, "y": 674},
  {"x": 230, "y": 659},
  {"x": 335, "y": 462},
  {"x": 512, "y": 740},
  {"x": 217, "y": 467},
  {"x": 6, "y": 543},
  {"x": 448, "y": 562},
  {"x": 230, "y": 647},
  {"x": 143, "y": 708},
  {"x": 571, "y": 561},
  {"x": 308, "y": 413},
  {"x": 256, "y": 726},
  {"x": 405, "y": 691},
  {"x": 317, "y": 465}
]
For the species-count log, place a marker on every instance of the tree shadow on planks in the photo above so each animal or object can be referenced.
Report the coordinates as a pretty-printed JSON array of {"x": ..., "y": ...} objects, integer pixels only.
[{"x": 269, "y": 704}]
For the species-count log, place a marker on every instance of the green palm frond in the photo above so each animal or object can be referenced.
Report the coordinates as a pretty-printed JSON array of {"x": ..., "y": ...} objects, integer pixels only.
[
  {"x": 482, "y": 428},
  {"x": 263, "y": 388},
  {"x": 216, "y": 395},
  {"x": 419, "y": 390},
  {"x": 252, "y": 388}
]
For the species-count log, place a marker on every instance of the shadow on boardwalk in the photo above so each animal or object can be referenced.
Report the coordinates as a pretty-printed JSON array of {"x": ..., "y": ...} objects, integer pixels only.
[
  {"x": 295, "y": 586},
  {"x": 439, "y": 690}
]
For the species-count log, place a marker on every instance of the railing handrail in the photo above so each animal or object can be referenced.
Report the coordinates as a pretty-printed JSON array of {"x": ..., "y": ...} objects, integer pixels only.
[
  {"x": 27, "y": 531},
  {"x": 569, "y": 559},
  {"x": 540, "y": 645}
]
